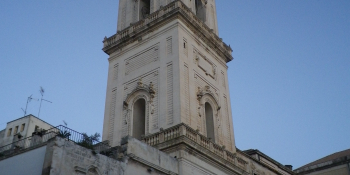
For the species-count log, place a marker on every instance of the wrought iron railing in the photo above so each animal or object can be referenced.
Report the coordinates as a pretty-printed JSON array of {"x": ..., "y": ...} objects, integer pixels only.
[{"x": 42, "y": 137}]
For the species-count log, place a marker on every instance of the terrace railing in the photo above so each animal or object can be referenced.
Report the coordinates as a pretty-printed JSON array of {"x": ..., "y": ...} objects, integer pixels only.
[{"x": 42, "y": 137}]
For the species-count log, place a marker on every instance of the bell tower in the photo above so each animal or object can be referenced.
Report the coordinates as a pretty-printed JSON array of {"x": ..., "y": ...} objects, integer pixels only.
[{"x": 167, "y": 68}]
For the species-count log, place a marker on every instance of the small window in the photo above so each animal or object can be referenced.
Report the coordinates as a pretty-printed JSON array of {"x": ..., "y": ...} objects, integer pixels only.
[
  {"x": 185, "y": 47},
  {"x": 9, "y": 132},
  {"x": 16, "y": 130},
  {"x": 22, "y": 127}
]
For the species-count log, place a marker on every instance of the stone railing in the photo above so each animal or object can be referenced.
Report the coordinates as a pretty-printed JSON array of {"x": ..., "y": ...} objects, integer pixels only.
[
  {"x": 183, "y": 130},
  {"x": 171, "y": 8},
  {"x": 120, "y": 35}
]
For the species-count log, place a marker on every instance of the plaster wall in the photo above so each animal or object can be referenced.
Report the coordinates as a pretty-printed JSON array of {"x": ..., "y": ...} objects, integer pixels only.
[
  {"x": 33, "y": 121},
  {"x": 11, "y": 125},
  {"x": 29, "y": 121},
  {"x": 30, "y": 162}
]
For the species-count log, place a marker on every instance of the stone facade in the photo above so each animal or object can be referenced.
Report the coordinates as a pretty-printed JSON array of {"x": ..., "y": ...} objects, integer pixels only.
[
  {"x": 183, "y": 59},
  {"x": 167, "y": 103}
]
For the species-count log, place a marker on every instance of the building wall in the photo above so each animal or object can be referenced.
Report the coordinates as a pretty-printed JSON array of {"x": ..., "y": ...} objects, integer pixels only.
[
  {"x": 30, "y": 122},
  {"x": 201, "y": 68},
  {"x": 252, "y": 165},
  {"x": 179, "y": 64},
  {"x": 30, "y": 162},
  {"x": 33, "y": 121},
  {"x": 65, "y": 157},
  {"x": 337, "y": 170},
  {"x": 7, "y": 139},
  {"x": 151, "y": 59}
]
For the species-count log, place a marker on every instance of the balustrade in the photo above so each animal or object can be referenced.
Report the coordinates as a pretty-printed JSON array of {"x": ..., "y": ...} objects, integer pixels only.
[{"x": 157, "y": 15}]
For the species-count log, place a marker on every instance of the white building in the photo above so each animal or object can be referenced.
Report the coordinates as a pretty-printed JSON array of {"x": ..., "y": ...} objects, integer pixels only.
[
  {"x": 21, "y": 128},
  {"x": 167, "y": 103}
]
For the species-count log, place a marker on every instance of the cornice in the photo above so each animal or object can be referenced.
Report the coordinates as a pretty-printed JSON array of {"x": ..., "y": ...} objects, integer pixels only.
[{"x": 174, "y": 10}]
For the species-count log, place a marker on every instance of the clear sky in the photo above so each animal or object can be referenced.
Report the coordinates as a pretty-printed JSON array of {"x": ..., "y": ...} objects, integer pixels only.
[{"x": 289, "y": 80}]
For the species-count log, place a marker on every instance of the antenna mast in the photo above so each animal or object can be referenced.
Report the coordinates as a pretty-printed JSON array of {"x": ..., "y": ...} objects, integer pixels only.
[
  {"x": 28, "y": 100},
  {"x": 41, "y": 100}
]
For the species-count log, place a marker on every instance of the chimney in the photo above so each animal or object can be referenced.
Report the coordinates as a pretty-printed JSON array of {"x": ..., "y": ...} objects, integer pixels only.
[{"x": 290, "y": 167}]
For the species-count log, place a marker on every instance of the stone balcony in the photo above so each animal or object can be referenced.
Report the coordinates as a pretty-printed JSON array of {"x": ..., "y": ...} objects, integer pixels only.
[
  {"x": 185, "y": 135},
  {"x": 178, "y": 9}
]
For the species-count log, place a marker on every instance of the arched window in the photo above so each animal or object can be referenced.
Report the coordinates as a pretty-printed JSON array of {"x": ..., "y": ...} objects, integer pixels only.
[
  {"x": 200, "y": 10},
  {"x": 209, "y": 121},
  {"x": 139, "y": 117},
  {"x": 144, "y": 8}
]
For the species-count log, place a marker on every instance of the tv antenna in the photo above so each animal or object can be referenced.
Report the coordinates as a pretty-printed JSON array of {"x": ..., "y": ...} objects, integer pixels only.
[
  {"x": 41, "y": 100},
  {"x": 30, "y": 98}
]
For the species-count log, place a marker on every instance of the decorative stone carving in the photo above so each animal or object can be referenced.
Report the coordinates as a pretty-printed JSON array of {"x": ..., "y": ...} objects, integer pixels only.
[
  {"x": 203, "y": 63},
  {"x": 143, "y": 91},
  {"x": 151, "y": 90}
]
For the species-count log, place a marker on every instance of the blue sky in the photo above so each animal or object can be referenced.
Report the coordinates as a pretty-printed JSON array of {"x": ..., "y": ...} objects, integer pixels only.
[{"x": 289, "y": 81}]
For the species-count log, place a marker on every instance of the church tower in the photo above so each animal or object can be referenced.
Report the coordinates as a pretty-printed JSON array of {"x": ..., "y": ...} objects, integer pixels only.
[{"x": 167, "y": 68}]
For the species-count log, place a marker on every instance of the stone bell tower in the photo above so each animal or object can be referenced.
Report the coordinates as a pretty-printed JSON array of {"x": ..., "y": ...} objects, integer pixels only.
[{"x": 167, "y": 67}]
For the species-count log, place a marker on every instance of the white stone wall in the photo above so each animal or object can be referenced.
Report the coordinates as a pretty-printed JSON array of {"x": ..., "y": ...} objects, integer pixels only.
[
  {"x": 179, "y": 65},
  {"x": 30, "y": 162},
  {"x": 152, "y": 59},
  {"x": 202, "y": 68}
]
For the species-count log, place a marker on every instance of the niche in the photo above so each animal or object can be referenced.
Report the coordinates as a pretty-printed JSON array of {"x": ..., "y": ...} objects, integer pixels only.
[
  {"x": 139, "y": 117},
  {"x": 144, "y": 8},
  {"x": 200, "y": 10},
  {"x": 209, "y": 121}
]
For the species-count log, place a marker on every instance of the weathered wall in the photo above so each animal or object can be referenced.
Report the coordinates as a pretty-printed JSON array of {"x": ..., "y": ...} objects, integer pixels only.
[
  {"x": 29, "y": 162},
  {"x": 65, "y": 157},
  {"x": 151, "y": 157}
]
